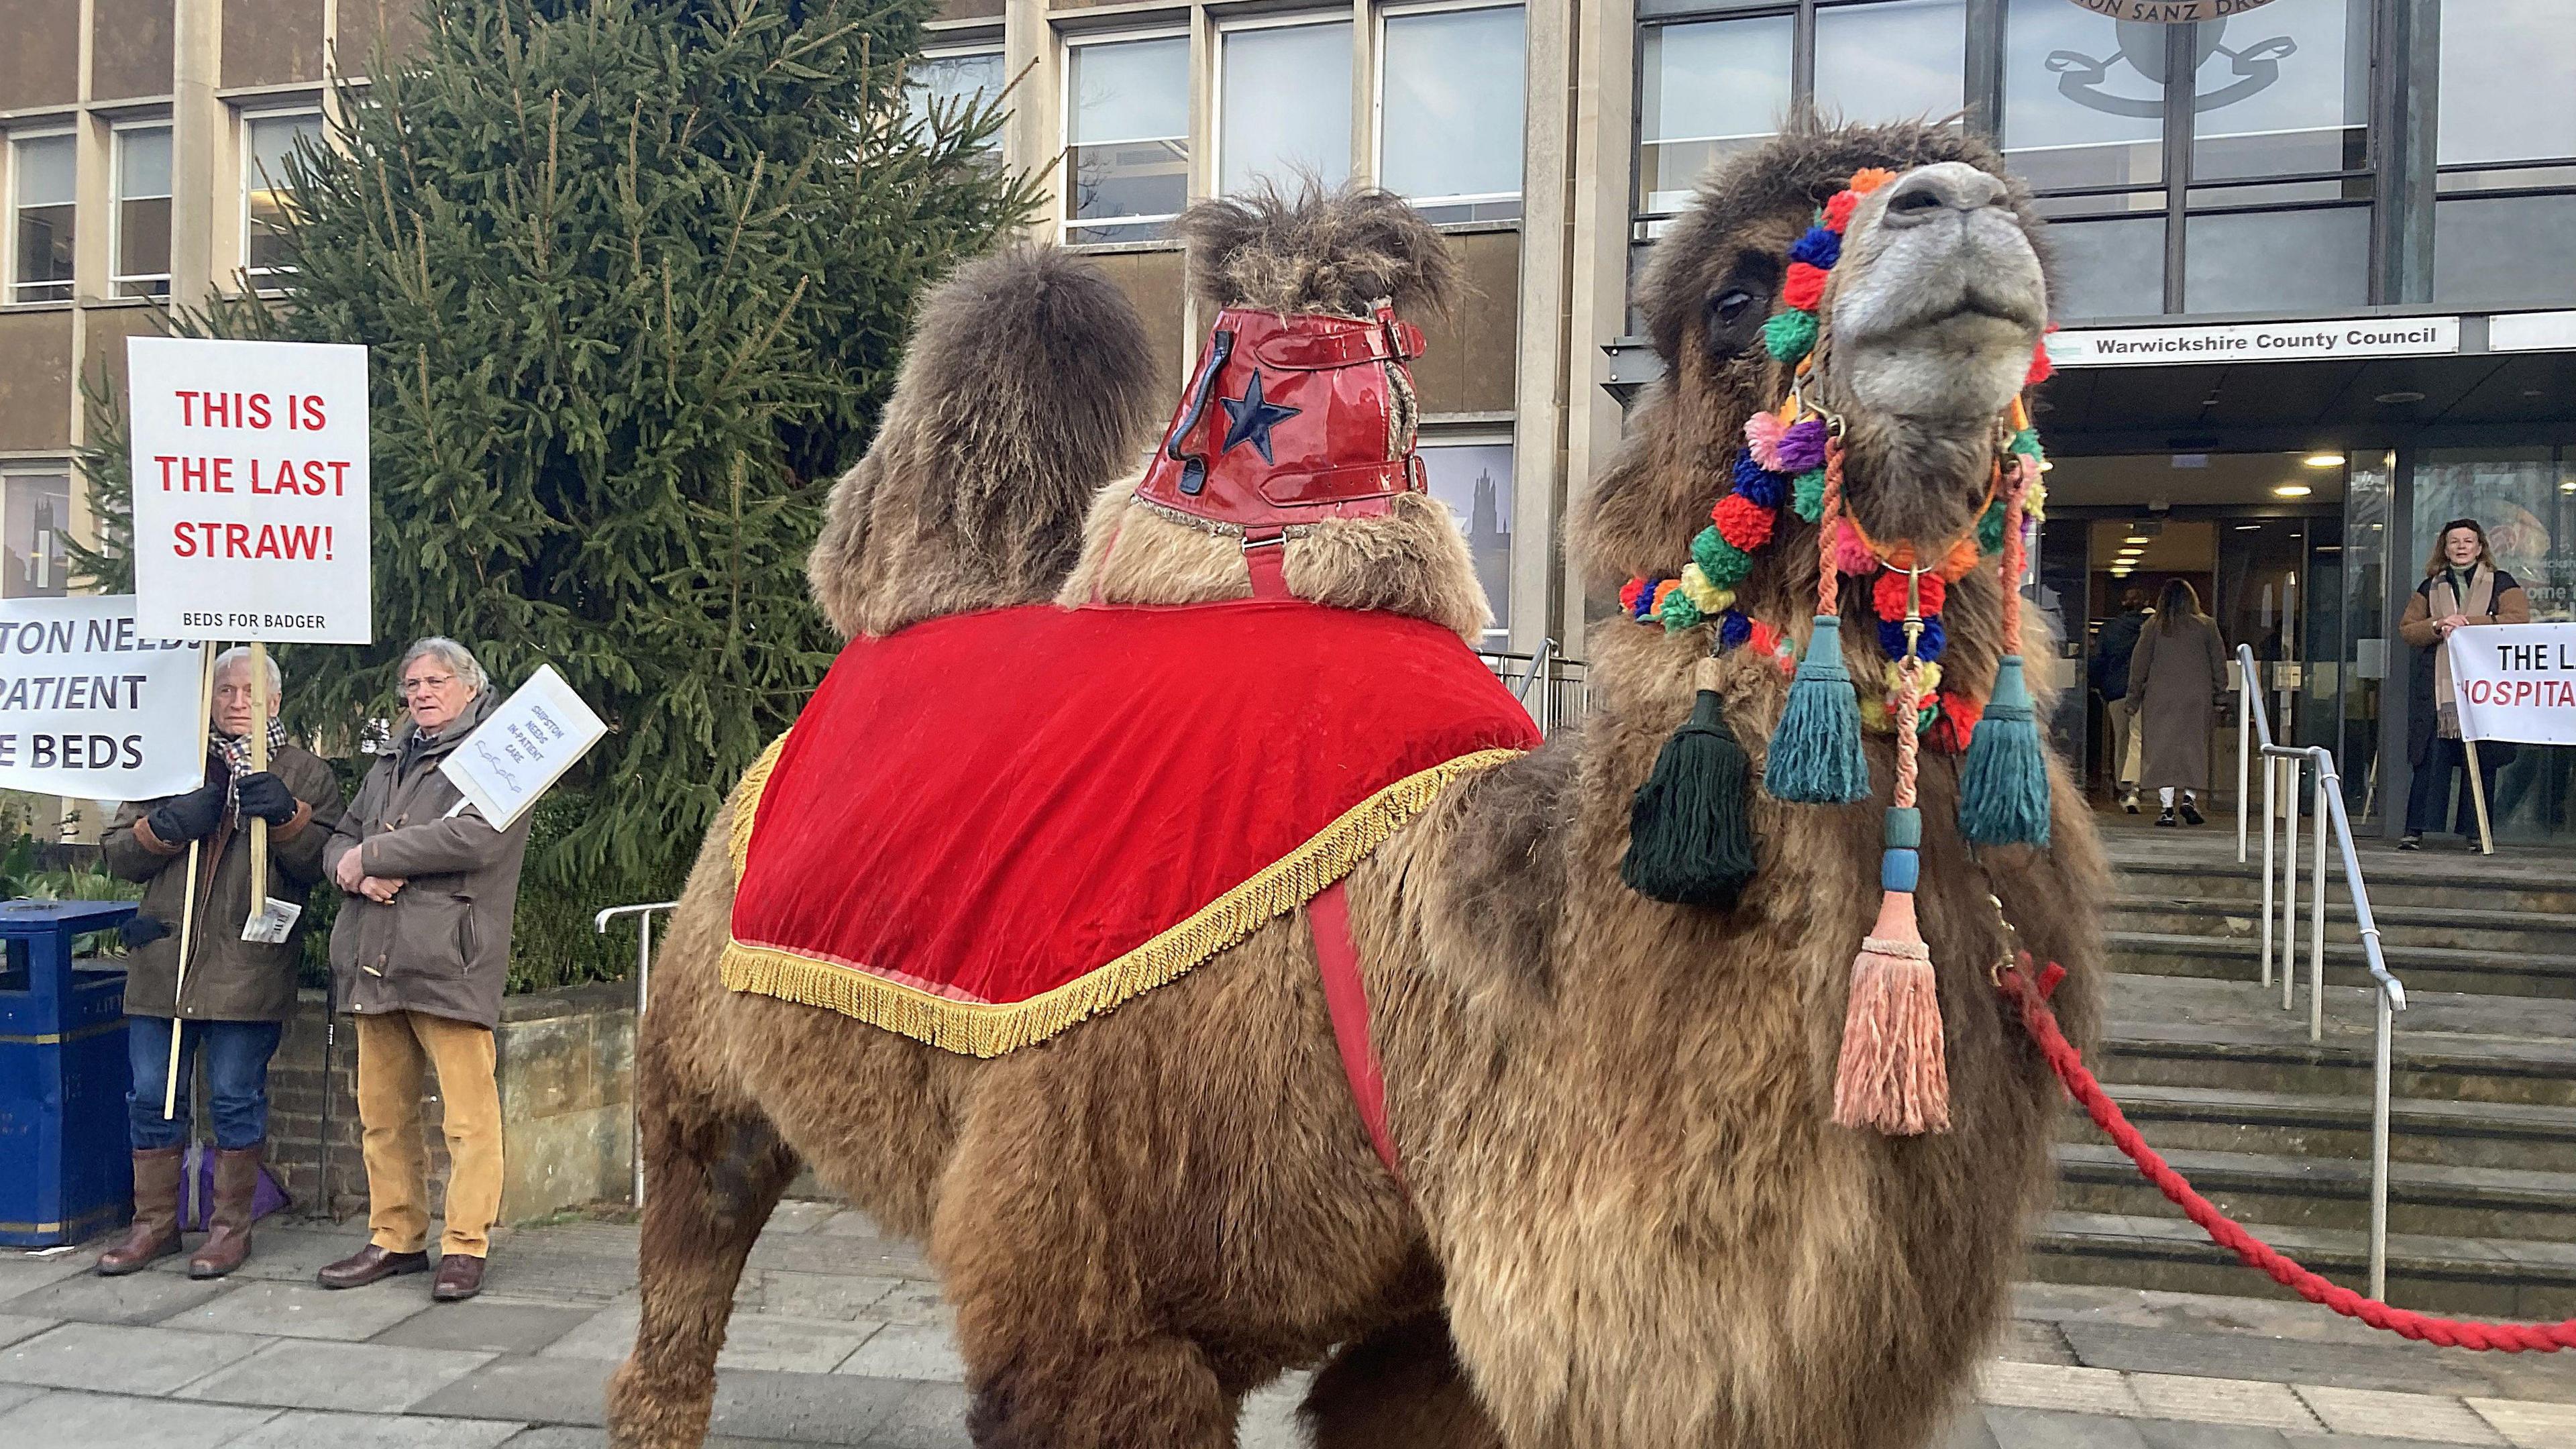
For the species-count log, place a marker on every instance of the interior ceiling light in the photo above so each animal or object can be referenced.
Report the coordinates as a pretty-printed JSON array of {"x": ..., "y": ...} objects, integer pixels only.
[
  {"x": 2135, "y": 538},
  {"x": 2324, "y": 460},
  {"x": 2568, "y": 487},
  {"x": 2247, "y": 527},
  {"x": 2292, "y": 490},
  {"x": 2402, "y": 395}
]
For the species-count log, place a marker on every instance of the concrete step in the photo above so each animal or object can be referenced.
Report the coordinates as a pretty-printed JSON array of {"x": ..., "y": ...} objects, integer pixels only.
[
  {"x": 2426, "y": 968},
  {"x": 2493, "y": 1278},
  {"x": 2329, "y": 1192},
  {"x": 2457, "y": 927},
  {"x": 2314, "y": 1125},
  {"x": 2440, "y": 876}
]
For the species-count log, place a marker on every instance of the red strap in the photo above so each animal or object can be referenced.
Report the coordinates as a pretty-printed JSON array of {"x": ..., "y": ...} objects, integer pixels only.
[
  {"x": 1268, "y": 560},
  {"x": 1329, "y": 913}
]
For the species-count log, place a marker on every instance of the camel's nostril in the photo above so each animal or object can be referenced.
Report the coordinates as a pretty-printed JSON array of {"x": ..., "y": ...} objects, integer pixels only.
[{"x": 1930, "y": 190}]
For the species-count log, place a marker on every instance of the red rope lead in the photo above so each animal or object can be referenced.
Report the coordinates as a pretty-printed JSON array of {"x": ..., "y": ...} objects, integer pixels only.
[{"x": 2041, "y": 1023}]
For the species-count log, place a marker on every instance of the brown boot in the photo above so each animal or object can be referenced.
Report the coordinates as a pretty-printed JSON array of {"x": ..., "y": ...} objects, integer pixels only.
[
  {"x": 154, "y": 1233},
  {"x": 227, "y": 1243}
]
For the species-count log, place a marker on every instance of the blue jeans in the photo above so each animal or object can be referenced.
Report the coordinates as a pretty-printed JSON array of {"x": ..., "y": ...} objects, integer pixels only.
[{"x": 236, "y": 1054}]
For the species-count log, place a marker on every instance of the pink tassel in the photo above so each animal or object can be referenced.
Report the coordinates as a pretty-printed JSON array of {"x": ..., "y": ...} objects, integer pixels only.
[{"x": 1893, "y": 1076}]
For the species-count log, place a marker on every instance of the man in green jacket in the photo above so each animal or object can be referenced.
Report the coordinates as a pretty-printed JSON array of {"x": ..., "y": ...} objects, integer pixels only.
[{"x": 232, "y": 1008}]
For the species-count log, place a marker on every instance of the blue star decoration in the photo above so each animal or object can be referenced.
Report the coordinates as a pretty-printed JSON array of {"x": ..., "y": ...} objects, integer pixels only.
[{"x": 1250, "y": 419}]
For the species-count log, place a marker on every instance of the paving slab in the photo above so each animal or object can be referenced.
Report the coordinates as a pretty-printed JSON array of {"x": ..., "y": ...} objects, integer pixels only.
[
  {"x": 806, "y": 1408},
  {"x": 2427, "y": 1417},
  {"x": 2057, "y": 1429},
  {"x": 485, "y": 1325},
  {"x": 914, "y": 1302},
  {"x": 300, "y": 1310},
  {"x": 25, "y": 1272},
  {"x": 933, "y": 1416},
  {"x": 311, "y": 1429},
  {"x": 12, "y": 1395},
  {"x": 117, "y": 1358},
  {"x": 792, "y": 1345},
  {"x": 908, "y": 1351},
  {"x": 71, "y": 1420},
  {"x": 537, "y": 1390},
  {"x": 2530, "y": 1426},
  {"x": 607, "y": 1335},
  {"x": 804, "y": 1217},
  {"x": 2222, "y": 1401},
  {"x": 2170, "y": 1434},
  {"x": 2055, "y": 1387},
  {"x": 2389, "y": 1364},
  {"x": 565, "y": 1436},
  {"x": 818, "y": 1295},
  {"x": 15, "y": 1326},
  {"x": 359, "y": 1377},
  {"x": 133, "y": 1298},
  {"x": 286, "y": 1252}
]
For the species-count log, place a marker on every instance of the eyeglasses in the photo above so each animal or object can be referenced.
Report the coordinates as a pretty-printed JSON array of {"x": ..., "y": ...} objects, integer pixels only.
[{"x": 419, "y": 683}]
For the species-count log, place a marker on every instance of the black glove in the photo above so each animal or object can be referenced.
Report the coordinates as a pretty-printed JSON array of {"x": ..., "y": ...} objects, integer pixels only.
[
  {"x": 192, "y": 816},
  {"x": 266, "y": 797},
  {"x": 140, "y": 931}
]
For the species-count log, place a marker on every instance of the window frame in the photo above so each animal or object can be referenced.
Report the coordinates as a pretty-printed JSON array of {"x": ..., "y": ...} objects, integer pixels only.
[
  {"x": 117, "y": 279},
  {"x": 9, "y": 283},
  {"x": 1067, "y": 42},
  {"x": 1379, "y": 16},
  {"x": 250, "y": 157},
  {"x": 1273, "y": 20}
]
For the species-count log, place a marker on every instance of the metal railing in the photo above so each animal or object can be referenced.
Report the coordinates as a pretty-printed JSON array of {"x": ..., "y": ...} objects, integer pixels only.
[
  {"x": 2282, "y": 767},
  {"x": 643, "y": 915},
  {"x": 1549, "y": 685}
]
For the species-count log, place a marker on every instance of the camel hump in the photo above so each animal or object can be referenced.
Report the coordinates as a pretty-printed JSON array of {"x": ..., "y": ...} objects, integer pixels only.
[
  {"x": 1027, "y": 383},
  {"x": 1343, "y": 250}
]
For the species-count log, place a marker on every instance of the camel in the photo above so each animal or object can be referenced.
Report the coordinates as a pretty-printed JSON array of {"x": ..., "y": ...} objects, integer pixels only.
[{"x": 1624, "y": 1217}]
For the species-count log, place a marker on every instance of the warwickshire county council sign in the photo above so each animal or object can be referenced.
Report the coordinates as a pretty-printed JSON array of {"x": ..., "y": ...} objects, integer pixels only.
[{"x": 2256, "y": 342}]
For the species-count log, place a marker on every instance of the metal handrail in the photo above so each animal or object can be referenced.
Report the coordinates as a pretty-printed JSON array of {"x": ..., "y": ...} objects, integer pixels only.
[
  {"x": 643, "y": 914},
  {"x": 2254, "y": 736},
  {"x": 1537, "y": 670}
]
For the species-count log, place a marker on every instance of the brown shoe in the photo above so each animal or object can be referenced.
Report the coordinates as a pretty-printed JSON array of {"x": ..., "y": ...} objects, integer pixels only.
[
  {"x": 154, "y": 1232},
  {"x": 227, "y": 1243},
  {"x": 460, "y": 1276},
  {"x": 370, "y": 1264}
]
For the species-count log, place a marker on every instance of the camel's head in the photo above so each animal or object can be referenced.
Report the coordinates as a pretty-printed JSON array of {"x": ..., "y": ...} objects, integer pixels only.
[{"x": 1930, "y": 309}]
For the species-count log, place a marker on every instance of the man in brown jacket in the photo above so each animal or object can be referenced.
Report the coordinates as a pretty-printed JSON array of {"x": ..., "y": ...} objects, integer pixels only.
[
  {"x": 420, "y": 955},
  {"x": 237, "y": 995}
]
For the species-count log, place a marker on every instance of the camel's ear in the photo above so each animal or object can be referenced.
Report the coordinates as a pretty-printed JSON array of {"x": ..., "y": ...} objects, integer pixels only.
[
  {"x": 1028, "y": 382},
  {"x": 1320, "y": 251}
]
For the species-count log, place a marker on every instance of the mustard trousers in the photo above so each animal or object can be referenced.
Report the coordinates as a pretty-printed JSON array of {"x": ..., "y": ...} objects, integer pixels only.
[{"x": 392, "y": 1046}]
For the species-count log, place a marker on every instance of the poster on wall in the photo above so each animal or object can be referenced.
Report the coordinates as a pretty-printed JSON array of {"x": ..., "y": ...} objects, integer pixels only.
[
  {"x": 92, "y": 706},
  {"x": 250, "y": 490}
]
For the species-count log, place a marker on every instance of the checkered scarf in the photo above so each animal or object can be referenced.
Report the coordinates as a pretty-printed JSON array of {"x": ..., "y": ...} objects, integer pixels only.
[{"x": 235, "y": 753}]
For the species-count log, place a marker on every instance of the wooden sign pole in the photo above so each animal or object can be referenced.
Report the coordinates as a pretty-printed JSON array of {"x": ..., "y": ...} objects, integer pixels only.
[
  {"x": 2478, "y": 795},
  {"x": 259, "y": 703},
  {"x": 188, "y": 899}
]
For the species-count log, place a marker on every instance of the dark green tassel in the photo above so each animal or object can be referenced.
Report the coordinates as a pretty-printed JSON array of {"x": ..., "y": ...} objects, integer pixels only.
[
  {"x": 2003, "y": 788},
  {"x": 1815, "y": 754},
  {"x": 1690, "y": 830}
]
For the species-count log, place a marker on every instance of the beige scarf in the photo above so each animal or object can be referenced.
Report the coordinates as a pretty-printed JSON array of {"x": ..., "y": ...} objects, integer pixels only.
[{"x": 2443, "y": 600}]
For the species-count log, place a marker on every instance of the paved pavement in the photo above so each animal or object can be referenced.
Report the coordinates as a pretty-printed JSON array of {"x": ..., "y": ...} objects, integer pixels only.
[{"x": 839, "y": 1338}]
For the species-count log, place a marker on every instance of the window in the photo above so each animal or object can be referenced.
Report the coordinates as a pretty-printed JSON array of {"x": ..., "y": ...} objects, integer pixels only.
[
  {"x": 1284, "y": 105},
  {"x": 41, "y": 268},
  {"x": 1449, "y": 111},
  {"x": 141, "y": 237},
  {"x": 2084, "y": 99},
  {"x": 1127, "y": 128},
  {"x": 951, "y": 82},
  {"x": 1903, "y": 61},
  {"x": 267, "y": 141},
  {"x": 2504, "y": 226},
  {"x": 1474, "y": 478},
  {"x": 1705, "y": 89},
  {"x": 34, "y": 507}
]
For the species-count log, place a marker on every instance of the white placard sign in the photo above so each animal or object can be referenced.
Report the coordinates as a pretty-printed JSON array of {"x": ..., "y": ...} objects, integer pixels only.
[
  {"x": 91, "y": 706},
  {"x": 524, "y": 746},
  {"x": 2255, "y": 342},
  {"x": 2515, "y": 682},
  {"x": 250, "y": 490}
]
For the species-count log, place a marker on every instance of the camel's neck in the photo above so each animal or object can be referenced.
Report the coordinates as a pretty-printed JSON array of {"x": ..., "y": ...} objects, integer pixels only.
[{"x": 1917, "y": 480}]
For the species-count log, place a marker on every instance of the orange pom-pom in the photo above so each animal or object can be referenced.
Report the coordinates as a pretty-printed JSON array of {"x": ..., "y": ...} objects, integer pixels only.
[
  {"x": 1804, "y": 287},
  {"x": 1961, "y": 562},
  {"x": 1870, "y": 178}
]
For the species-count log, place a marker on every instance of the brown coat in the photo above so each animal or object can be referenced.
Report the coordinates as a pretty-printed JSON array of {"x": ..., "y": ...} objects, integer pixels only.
[
  {"x": 2177, "y": 675},
  {"x": 442, "y": 945},
  {"x": 229, "y": 979}
]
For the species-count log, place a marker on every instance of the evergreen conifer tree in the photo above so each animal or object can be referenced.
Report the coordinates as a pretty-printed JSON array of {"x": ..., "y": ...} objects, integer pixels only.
[{"x": 635, "y": 275}]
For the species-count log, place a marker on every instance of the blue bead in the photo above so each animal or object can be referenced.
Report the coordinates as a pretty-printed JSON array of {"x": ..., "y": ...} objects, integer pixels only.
[
  {"x": 1818, "y": 248},
  {"x": 1899, "y": 870}
]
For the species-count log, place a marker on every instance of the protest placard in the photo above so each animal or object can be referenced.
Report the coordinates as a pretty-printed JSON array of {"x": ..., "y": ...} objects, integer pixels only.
[
  {"x": 250, "y": 490},
  {"x": 524, "y": 746},
  {"x": 94, "y": 707},
  {"x": 2515, "y": 682}
]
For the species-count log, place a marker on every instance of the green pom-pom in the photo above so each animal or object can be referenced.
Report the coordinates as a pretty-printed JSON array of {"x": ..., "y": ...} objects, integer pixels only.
[
  {"x": 1815, "y": 755},
  {"x": 1690, "y": 828},
  {"x": 2003, "y": 785},
  {"x": 2026, "y": 442},
  {"x": 1680, "y": 613},
  {"x": 1807, "y": 494},
  {"x": 1990, "y": 529},
  {"x": 1723, "y": 563},
  {"x": 1790, "y": 335}
]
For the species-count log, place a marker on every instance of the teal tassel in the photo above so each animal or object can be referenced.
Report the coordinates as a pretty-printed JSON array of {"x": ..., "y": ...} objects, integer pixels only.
[
  {"x": 1690, "y": 830},
  {"x": 1816, "y": 757},
  {"x": 2003, "y": 788}
]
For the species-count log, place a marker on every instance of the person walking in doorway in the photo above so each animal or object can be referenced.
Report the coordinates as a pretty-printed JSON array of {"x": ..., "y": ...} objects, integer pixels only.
[
  {"x": 2176, "y": 675},
  {"x": 420, "y": 954},
  {"x": 2462, "y": 589},
  {"x": 2111, "y": 654}
]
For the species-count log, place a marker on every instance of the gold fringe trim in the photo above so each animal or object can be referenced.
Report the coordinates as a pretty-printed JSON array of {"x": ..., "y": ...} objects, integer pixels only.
[
  {"x": 982, "y": 1029},
  {"x": 746, "y": 806}
]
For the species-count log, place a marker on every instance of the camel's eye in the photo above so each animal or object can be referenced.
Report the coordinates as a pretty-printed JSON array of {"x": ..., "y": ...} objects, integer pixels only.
[
  {"x": 1733, "y": 305},
  {"x": 1735, "y": 315}
]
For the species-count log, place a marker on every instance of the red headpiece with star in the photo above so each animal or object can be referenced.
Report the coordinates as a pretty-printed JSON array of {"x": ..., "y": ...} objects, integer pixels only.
[{"x": 1290, "y": 419}]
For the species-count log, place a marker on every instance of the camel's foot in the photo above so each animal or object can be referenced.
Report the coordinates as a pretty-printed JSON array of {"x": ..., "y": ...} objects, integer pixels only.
[
  {"x": 1099, "y": 1393},
  {"x": 1398, "y": 1389},
  {"x": 712, "y": 1187}
]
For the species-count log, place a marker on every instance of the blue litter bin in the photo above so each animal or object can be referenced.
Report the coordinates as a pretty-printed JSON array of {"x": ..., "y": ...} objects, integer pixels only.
[{"x": 65, "y": 1172}]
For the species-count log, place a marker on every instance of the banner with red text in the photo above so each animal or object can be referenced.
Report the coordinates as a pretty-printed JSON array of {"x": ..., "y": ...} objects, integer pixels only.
[
  {"x": 250, "y": 490},
  {"x": 2515, "y": 682}
]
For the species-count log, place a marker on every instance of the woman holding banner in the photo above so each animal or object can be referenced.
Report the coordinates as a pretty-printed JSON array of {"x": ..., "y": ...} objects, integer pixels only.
[
  {"x": 237, "y": 993},
  {"x": 2462, "y": 588}
]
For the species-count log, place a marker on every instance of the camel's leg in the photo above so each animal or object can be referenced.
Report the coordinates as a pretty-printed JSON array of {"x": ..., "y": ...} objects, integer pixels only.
[
  {"x": 1398, "y": 1389},
  {"x": 1150, "y": 1392}
]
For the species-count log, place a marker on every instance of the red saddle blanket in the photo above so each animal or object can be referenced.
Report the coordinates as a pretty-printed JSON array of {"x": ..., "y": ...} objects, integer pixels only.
[{"x": 987, "y": 827}]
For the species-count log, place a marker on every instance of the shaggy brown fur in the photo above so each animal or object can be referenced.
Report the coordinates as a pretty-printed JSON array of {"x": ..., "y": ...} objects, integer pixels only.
[
  {"x": 1626, "y": 1200},
  {"x": 1028, "y": 382},
  {"x": 1343, "y": 252}
]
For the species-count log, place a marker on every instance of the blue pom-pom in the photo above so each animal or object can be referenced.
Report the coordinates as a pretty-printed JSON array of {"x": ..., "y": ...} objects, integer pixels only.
[
  {"x": 1734, "y": 628},
  {"x": 1644, "y": 608},
  {"x": 1818, "y": 248},
  {"x": 2003, "y": 785},
  {"x": 1891, "y": 638},
  {"x": 1764, "y": 489},
  {"x": 1815, "y": 754},
  {"x": 1900, "y": 870}
]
